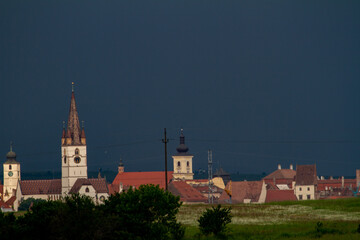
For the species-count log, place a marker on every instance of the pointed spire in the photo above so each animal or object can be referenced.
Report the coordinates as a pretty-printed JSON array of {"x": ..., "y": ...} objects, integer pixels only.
[{"x": 73, "y": 120}]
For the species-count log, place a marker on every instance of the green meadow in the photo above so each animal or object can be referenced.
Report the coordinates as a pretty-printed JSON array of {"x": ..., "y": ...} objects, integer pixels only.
[{"x": 314, "y": 219}]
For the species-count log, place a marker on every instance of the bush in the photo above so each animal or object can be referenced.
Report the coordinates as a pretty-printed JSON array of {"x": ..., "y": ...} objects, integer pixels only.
[
  {"x": 144, "y": 213},
  {"x": 214, "y": 220},
  {"x": 148, "y": 212},
  {"x": 25, "y": 204}
]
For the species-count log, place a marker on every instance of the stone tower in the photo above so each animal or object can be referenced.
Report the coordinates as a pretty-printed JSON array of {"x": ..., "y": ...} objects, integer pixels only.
[
  {"x": 12, "y": 175},
  {"x": 73, "y": 149},
  {"x": 182, "y": 161}
]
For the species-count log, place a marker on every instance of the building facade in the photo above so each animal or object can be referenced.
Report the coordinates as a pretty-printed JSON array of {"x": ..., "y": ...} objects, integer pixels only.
[{"x": 183, "y": 167}]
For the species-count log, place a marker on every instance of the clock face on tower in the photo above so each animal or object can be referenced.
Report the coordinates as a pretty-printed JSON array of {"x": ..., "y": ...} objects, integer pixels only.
[
  {"x": 10, "y": 174},
  {"x": 77, "y": 159}
]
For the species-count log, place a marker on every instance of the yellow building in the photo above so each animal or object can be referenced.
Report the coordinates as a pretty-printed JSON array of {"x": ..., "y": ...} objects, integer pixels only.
[{"x": 182, "y": 161}]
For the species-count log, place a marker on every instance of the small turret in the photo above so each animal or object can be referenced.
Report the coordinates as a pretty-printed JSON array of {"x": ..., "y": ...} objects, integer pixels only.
[{"x": 121, "y": 167}]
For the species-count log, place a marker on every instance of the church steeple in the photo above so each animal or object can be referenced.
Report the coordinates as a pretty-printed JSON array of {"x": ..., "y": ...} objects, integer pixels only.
[
  {"x": 182, "y": 148},
  {"x": 74, "y": 132}
]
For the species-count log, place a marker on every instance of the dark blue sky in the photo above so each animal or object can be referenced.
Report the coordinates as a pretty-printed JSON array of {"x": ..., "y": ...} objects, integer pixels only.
[{"x": 258, "y": 82}]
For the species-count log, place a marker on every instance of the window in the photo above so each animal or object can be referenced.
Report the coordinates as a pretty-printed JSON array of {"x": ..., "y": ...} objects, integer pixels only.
[
  {"x": 77, "y": 151},
  {"x": 65, "y": 159},
  {"x": 77, "y": 160},
  {"x": 308, "y": 189},
  {"x": 178, "y": 164},
  {"x": 87, "y": 190},
  {"x": 9, "y": 167},
  {"x": 300, "y": 197},
  {"x": 187, "y": 164},
  {"x": 299, "y": 189},
  {"x": 308, "y": 197}
]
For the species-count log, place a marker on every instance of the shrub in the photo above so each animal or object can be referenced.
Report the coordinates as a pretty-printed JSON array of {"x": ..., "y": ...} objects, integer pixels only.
[
  {"x": 25, "y": 204},
  {"x": 148, "y": 212},
  {"x": 214, "y": 220}
]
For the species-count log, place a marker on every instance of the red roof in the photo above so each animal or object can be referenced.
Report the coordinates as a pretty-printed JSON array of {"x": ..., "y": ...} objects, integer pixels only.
[
  {"x": 335, "y": 183},
  {"x": 99, "y": 185},
  {"x": 282, "y": 174},
  {"x": 280, "y": 195},
  {"x": 186, "y": 192},
  {"x": 4, "y": 205},
  {"x": 242, "y": 190},
  {"x": 141, "y": 178},
  {"x": 36, "y": 187},
  {"x": 306, "y": 175},
  {"x": 10, "y": 201}
]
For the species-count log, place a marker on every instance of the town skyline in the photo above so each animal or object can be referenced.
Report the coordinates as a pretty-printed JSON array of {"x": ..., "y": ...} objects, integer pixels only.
[{"x": 259, "y": 85}]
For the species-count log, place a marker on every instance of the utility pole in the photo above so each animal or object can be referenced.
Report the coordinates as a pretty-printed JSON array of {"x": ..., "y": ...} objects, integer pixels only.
[
  {"x": 165, "y": 141},
  {"x": 210, "y": 175}
]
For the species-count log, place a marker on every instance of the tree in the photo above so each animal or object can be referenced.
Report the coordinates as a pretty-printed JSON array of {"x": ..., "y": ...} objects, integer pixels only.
[
  {"x": 25, "y": 204},
  {"x": 148, "y": 212},
  {"x": 214, "y": 220}
]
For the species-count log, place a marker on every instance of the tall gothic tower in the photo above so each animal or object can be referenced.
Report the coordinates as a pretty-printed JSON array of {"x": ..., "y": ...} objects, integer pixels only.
[
  {"x": 182, "y": 161},
  {"x": 11, "y": 170},
  {"x": 73, "y": 149}
]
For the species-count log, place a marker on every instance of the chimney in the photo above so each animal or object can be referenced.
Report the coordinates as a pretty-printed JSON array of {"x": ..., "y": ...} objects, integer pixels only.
[
  {"x": 322, "y": 177},
  {"x": 357, "y": 177},
  {"x": 279, "y": 166},
  {"x": 342, "y": 182},
  {"x": 331, "y": 178},
  {"x": 291, "y": 167}
]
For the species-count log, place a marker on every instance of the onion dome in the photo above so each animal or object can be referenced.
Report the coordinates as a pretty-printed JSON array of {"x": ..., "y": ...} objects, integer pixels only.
[
  {"x": 11, "y": 154},
  {"x": 182, "y": 148}
]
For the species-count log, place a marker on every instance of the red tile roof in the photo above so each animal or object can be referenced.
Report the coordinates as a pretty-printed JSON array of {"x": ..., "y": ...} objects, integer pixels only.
[
  {"x": 243, "y": 190},
  {"x": 306, "y": 175},
  {"x": 99, "y": 185},
  {"x": 140, "y": 178},
  {"x": 281, "y": 174},
  {"x": 37, "y": 187},
  {"x": 11, "y": 201},
  {"x": 280, "y": 195},
  {"x": 4, "y": 205},
  {"x": 335, "y": 183},
  {"x": 186, "y": 192}
]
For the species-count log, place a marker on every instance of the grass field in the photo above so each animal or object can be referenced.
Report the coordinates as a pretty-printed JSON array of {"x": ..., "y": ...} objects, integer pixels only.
[{"x": 339, "y": 219}]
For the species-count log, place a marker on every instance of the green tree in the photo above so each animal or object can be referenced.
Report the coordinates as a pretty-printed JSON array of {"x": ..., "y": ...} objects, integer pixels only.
[
  {"x": 148, "y": 212},
  {"x": 214, "y": 220},
  {"x": 25, "y": 204}
]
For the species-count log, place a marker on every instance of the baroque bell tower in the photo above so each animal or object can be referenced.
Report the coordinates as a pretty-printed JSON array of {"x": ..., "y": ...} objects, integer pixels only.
[
  {"x": 73, "y": 149},
  {"x": 182, "y": 161}
]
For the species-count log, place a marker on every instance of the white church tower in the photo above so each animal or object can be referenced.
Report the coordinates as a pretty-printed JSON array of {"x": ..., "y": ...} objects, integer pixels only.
[
  {"x": 73, "y": 150},
  {"x": 12, "y": 175},
  {"x": 182, "y": 161}
]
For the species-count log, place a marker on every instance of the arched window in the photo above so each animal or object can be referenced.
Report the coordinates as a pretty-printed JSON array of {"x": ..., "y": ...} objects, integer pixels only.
[
  {"x": 187, "y": 164},
  {"x": 178, "y": 164},
  {"x": 77, "y": 151},
  {"x": 9, "y": 167},
  {"x": 87, "y": 190},
  {"x": 65, "y": 159}
]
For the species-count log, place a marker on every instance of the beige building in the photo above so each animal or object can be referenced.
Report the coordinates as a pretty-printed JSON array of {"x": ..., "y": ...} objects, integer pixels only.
[
  {"x": 182, "y": 161},
  {"x": 11, "y": 170}
]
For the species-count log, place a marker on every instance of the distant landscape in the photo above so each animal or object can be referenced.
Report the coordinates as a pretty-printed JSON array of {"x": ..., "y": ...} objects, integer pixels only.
[{"x": 110, "y": 175}]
